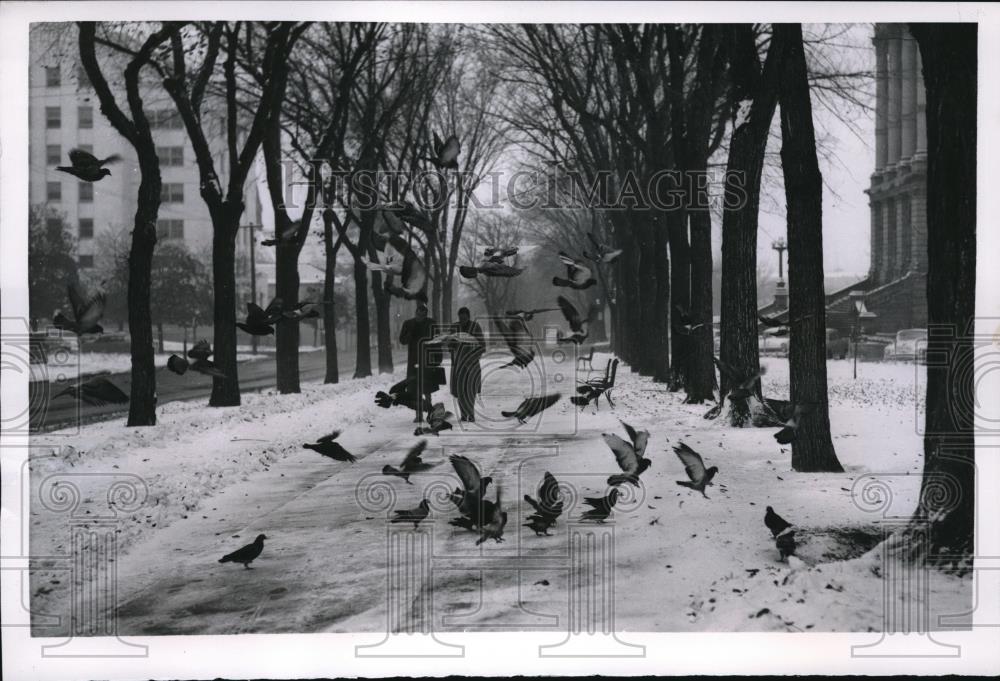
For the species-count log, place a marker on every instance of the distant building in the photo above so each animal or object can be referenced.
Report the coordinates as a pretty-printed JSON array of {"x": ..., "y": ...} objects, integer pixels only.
[
  {"x": 64, "y": 113},
  {"x": 896, "y": 286}
]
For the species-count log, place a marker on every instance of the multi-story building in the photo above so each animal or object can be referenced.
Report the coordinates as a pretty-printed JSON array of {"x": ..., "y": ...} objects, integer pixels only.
[{"x": 65, "y": 113}]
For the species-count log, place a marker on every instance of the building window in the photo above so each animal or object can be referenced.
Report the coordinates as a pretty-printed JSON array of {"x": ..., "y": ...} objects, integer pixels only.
[
  {"x": 170, "y": 156},
  {"x": 172, "y": 192},
  {"x": 86, "y": 261},
  {"x": 85, "y": 117},
  {"x": 165, "y": 119},
  {"x": 89, "y": 148},
  {"x": 82, "y": 79},
  {"x": 86, "y": 228},
  {"x": 53, "y": 117},
  {"x": 51, "y": 76},
  {"x": 170, "y": 229},
  {"x": 53, "y": 154},
  {"x": 86, "y": 192},
  {"x": 53, "y": 191}
]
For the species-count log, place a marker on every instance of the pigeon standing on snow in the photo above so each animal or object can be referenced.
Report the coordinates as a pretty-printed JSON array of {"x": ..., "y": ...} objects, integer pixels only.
[
  {"x": 782, "y": 531},
  {"x": 328, "y": 447},
  {"x": 628, "y": 455},
  {"x": 531, "y": 406},
  {"x": 775, "y": 522},
  {"x": 411, "y": 464},
  {"x": 247, "y": 554},
  {"x": 413, "y": 515},
  {"x": 699, "y": 476},
  {"x": 493, "y": 521},
  {"x": 86, "y": 166}
]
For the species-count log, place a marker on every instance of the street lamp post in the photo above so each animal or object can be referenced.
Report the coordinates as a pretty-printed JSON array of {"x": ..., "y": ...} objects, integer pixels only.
[
  {"x": 780, "y": 246},
  {"x": 253, "y": 273},
  {"x": 860, "y": 312}
]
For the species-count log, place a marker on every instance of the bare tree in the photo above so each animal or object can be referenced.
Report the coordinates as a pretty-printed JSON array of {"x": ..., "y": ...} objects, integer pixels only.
[
  {"x": 134, "y": 127},
  {"x": 812, "y": 449},
  {"x": 193, "y": 72}
]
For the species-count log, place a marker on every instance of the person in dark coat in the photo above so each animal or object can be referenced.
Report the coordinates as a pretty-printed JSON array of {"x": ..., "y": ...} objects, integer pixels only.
[
  {"x": 466, "y": 374},
  {"x": 422, "y": 362}
]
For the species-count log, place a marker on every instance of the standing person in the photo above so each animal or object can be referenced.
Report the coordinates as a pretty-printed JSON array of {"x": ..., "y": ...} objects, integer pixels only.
[
  {"x": 413, "y": 335},
  {"x": 466, "y": 375}
]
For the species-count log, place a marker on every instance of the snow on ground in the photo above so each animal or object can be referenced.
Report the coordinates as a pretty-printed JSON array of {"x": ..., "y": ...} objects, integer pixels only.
[
  {"x": 68, "y": 366},
  {"x": 218, "y": 477}
]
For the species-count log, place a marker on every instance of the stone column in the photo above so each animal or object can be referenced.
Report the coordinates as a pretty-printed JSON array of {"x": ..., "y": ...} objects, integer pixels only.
[
  {"x": 902, "y": 235},
  {"x": 895, "y": 98},
  {"x": 881, "y": 99},
  {"x": 908, "y": 68},
  {"x": 888, "y": 240},
  {"x": 921, "y": 117},
  {"x": 918, "y": 230},
  {"x": 876, "y": 241}
]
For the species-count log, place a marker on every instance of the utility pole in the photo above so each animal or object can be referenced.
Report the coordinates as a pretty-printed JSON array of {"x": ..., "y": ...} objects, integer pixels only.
[{"x": 780, "y": 246}]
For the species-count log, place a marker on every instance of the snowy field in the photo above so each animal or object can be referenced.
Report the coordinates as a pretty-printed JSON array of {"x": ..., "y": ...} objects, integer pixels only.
[
  {"x": 68, "y": 366},
  {"x": 215, "y": 478}
]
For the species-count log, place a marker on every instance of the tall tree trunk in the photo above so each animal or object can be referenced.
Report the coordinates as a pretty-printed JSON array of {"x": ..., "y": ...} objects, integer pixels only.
[
  {"x": 661, "y": 332},
  {"x": 738, "y": 346},
  {"x": 646, "y": 293},
  {"x": 159, "y": 337},
  {"x": 225, "y": 225},
  {"x": 950, "y": 67},
  {"x": 329, "y": 300},
  {"x": 700, "y": 376},
  {"x": 382, "y": 330},
  {"x": 680, "y": 294},
  {"x": 142, "y": 394},
  {"x": 363, "y": 361},
  {"x": 286, "y": 332},
  {"x": 812, "y": 449}
]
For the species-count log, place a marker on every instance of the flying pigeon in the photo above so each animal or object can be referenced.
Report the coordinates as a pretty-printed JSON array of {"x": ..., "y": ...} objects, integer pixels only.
[
  {"x": 469, "y": 499},
  {"x": 695, "y": 469},
  {"x": 437, "y": 420},
  {"x": 489, "y": 268},
  {"x": 531, "y": 406},
  {"x": 684, "y": 322},
  {"x": 179, "y": 366},
  {"x": 258, "y": 322},
  {"x": 578, "y": 275},
  {"x": 284, "y": 236},
  {"x": 628, "y": 455},
  {"x": 445, "y": 153},
  {"x": 527, "y": 315},
  {"x": 413, "y": 515},
  {"x": 97, "y": 391},
  {"x": 200, "y": 350},
  {"x": 790, "y": 431},
  {"x": 247, "y": 554},
  {"x": 604, "y": 254},
  {"x": 774, "y": 322},
  {"x": 86, "y": 312},
  {"x": 577, "y": 324},
  {"x": 497, "y": 253},
  {"x": 600, "y": 507},
  {"x": 742, "y": 386},
  {"x": 523, "y": 356},
  {"x": 408, "y": 213},
  {"x": 86, "y": 166},
  {"x": 389, "y": 261},
  {"x": 411, "y": 464},
  {"x": 413, "y": 279},
  {"x": 404, "y": 394},
  {"x": 390, "y": 225},
  {"x": 550, "y": 504},
  {"x": 327, "y": 446}
]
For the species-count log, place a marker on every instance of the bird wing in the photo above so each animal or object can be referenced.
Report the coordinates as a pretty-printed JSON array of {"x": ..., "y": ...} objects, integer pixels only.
[
  {"x": 200, "y": 350},
  {"x": 76, "y": 301},
  {"x": 92, "y": 310},
  {"x": 330, "y": 438},
  {"x": 467, "y": 472},
  {"x": 570, "y": 313},
  {"x": 639, "y": 438},
  {"x": 255, "y": 315},
  {"x": 273, "y": 311},
  {"x": 549, "y": 492},
  {"x": 693, "y": 465},
  {"x": 204, "y": 366},
  {"x": 414, "y": 275},
  {"x": 438, "y": 144},
  {"x": 451, "y": 149},
  {"x": 105, "y": 390},
  {"x": 624, "y": 453},
  {"x": 79, "y": 157},
  {"x": 413, "y": 456},
  {"x": 593, "y": 240}
]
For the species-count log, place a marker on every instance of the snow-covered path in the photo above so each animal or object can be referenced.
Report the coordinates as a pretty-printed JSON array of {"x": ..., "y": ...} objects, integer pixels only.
[{"x": 217, "y": 478}]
